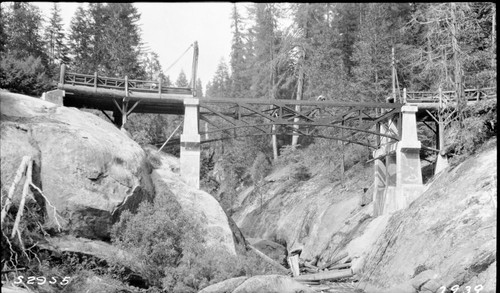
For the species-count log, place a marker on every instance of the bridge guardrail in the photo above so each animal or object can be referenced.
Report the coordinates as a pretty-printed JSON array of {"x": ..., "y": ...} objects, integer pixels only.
[{"x": 122, "y": 84}]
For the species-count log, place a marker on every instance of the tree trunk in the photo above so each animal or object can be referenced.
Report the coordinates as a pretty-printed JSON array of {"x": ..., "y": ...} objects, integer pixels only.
[
  {"x": 274, "y": 140},
  {"x": 457, "y": 64},
  {"x": 300, "y": 86},
  {"x": 493, "y": 36}
]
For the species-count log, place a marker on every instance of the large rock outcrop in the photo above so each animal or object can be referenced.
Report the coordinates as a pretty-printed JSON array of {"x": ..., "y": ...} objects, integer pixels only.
[
  {"x": 446, "y": 237},
  {"x": 197, "y": 204},
  {"x": 258, "y": 284},
  {"x": 314, "y": 215},
  {"x": 86, "y": 167}
]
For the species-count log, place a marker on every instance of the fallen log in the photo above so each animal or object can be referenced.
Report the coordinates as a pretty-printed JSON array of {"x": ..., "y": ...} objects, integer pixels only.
[
  {"x": 15, "y": 228},
  {"x": 307, "y": 282},
  {"x": 340, "y": 266},
  {"x": 308, "y": 265},
  {"x": 330, "y": 275},
  {"x": 269, "y": 260},
  {"x": 334, "y": 260}
]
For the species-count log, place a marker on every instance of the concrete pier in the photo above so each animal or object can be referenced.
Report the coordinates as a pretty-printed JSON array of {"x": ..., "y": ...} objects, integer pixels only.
[
  {"x": 190, "y": 144},
  {"x": 398, "y": 171},
  {"x": 54, "y": 96}
]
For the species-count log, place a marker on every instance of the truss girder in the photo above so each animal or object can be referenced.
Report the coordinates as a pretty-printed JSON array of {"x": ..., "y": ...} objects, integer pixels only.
[{"x": 351, "y": 118}]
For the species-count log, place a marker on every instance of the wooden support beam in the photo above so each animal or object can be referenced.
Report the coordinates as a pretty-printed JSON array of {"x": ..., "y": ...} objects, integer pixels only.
[
  {"x": 133, "y": 107},
  {"x": 107, "y": 116},
  {"x": 431, "y": 115},
  {"x": 381, "y": 157},
  {"x": 433, "y": 130}
]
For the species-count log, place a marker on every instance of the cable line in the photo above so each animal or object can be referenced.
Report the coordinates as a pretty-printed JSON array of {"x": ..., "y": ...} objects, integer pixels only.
[{"x": 182, "y": 55}]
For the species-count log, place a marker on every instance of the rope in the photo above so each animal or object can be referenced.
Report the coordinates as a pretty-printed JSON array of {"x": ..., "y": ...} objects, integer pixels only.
[{"x": 182, "y": 55}]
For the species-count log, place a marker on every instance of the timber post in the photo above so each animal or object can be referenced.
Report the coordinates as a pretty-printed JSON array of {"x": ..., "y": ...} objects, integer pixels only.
[
  {"x": 190, "y": 143},
  {"x": 195, "y": 68},
  {"x": 63, "y": 72}
]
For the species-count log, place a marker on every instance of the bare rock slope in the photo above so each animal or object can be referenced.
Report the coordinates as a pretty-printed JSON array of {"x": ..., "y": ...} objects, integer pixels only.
[
  {"x": 446, "y": 237},
  {"x": 87, "y": 168}
]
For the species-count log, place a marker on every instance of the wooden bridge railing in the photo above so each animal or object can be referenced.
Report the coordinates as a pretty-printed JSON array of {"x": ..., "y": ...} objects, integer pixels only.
[
  {"x": 450, "y": 96},
  {"x": 122, "y": 84}
]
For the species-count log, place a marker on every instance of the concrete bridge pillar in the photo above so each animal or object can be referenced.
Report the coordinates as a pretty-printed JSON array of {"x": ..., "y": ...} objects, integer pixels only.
[
  {"x": 398, "y": 177},
  {"x": 190, "y": 144},
  {"x": 409, "y": 169},
  {"x": 54, "y": 96}
]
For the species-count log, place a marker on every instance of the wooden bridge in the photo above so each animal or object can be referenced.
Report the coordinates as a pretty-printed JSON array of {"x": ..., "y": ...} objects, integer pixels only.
[
  {"x": 389, "y": 129},
  {"x": 125, "y": 96}
]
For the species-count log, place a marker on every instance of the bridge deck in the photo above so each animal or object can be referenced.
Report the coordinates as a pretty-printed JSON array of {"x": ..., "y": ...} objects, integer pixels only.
[{"x": 97, "y": 92}]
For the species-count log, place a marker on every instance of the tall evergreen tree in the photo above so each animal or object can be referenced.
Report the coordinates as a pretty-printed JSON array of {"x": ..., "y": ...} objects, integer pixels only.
[
  {"x": 23, "y": 62},
  {"x": 378, "y": 33},
  {"x": 220, "y": 86},
  {"x": 23, "y": 25},
  {"x": 80, "y": 41},
  {"x": 264, "y": 34},
  {"x": 152, "y": 67},
  {"x": 3, "y": 36},
  {"x": 106, "y": 38},
  {"x": 239, "y": 72},
  {"x": 123, "y": 40},
  {"x": 57, "y": 49}
]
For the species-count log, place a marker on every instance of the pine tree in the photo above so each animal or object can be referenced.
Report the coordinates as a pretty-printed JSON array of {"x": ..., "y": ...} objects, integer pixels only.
[
  {"x": 239, "y": 77},
  {"x": 23, "y": 62},
  {"x": 378, "y": 33},
  {"x": 23, "y": 31},
  {"x": 182, "y": 80},
  {"x": 220, "y": 86},
  {"x": 3, "y": 36},
  {"x": 80, "y": 42},
  {"x": 152, "y": 67},
  {"x": 105, "y": 38},
  {"x": 57, "y": 50},
  {"x": 123, "y": 40}
]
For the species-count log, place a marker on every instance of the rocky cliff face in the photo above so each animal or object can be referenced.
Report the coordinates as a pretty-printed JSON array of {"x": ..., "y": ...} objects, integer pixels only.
[
  {"x": 445, "y": 238},
  {"x": 87, "y": 168}
]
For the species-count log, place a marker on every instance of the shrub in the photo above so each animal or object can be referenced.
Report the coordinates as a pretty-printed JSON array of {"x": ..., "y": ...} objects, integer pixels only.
[
  {"x": 260, "y": 167},
  {"x": 477, "y": 127},
  {"x": 173, "y": 252},
  {"x": 158, "y": 235},
  {"x": 26, "y": 76}
]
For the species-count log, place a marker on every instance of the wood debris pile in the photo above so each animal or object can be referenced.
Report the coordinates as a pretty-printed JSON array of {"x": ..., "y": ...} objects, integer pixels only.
[{"x": 335, "y": 276}]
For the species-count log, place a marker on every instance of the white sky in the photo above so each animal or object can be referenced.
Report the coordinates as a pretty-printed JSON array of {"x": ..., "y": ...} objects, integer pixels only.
[{"x": 170, "y": 28}]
